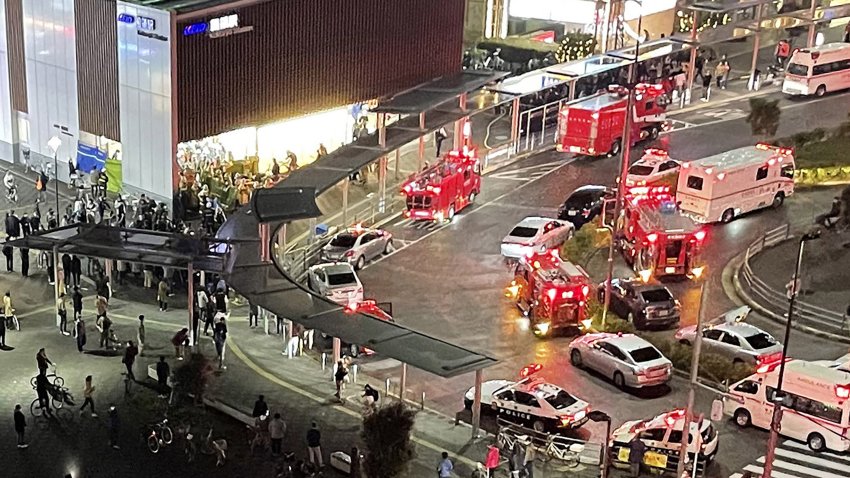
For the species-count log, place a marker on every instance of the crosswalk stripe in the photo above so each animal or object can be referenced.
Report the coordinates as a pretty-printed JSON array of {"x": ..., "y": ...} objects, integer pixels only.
[
  {"x": 759, "y": 470},
  {"x": 802, "y": 446},
  {"x": 813, "y": 460},
  {"x": 787, "y": 465}
]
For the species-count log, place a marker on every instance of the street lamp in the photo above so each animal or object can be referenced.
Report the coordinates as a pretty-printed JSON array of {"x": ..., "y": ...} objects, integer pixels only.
[
  {"x": 624, "y": 166},
  {"x": 598, "y": 416},
  {"x": 777, "y": 396},
  {"x": 689, "y": 408}
]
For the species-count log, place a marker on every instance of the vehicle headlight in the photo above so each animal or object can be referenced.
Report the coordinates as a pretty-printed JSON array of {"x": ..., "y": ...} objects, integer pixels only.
[{"x": 542, "y": 328}]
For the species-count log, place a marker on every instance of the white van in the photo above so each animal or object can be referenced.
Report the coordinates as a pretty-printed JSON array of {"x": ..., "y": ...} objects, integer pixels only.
[
  {"x": 815, "y": 410},
  {"x": 818, "y": 70},
  {"x": 726, "y": 185}
]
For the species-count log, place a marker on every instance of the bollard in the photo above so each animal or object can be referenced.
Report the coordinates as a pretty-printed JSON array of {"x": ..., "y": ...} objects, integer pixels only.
[
  {"x": 354, "y": 373},
  {"x": 324, "y": 360},
  {"x": 387, "y": 389},
  {"x": 422, "y": 402}
]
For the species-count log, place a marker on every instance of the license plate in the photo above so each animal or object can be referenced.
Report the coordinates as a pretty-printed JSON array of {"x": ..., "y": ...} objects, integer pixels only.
[
  {"x": 575, "y": 149},
  {"x": 656, "y": 460},
  {"x": 572, "y": 212},
  {"x": 663, "y": 313}
]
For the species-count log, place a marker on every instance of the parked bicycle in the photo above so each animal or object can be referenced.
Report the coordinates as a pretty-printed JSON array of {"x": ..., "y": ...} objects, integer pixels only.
[
  {"x": 59, "y": 397},
  {"x": 567, "y": 453},
  {"x": 57, "y": 380},
  {"x": 158, "y": 435},
  {"x": 12, "y": 322}
]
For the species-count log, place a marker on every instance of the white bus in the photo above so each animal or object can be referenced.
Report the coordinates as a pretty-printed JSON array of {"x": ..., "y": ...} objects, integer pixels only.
[
  {"x": 726, "y": 185},
  {"x": 815, "y": 409},
  {"x": 814, "y": 71}
]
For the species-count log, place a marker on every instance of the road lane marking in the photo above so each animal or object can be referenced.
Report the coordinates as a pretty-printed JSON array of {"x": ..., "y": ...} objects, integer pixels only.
[
  {"x": 801, "y": 457},
  {"x": 801, "y": 446}
]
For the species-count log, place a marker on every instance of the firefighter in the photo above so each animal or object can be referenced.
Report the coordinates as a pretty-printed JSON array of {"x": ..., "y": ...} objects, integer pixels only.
[{"x": 783, "y": 51}]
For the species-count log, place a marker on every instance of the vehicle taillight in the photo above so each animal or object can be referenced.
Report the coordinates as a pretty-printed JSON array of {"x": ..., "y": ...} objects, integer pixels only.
[
  {"x": 585, "y": 212},
  {"x": 437, "y": 190},
  {"x": 585, "y": 290},
  {"x": 551, "y": 293},
  {"x": 651, "y": 238},
  {"x": 842, "y": 391},
  {"x": 349, "y": 253},
  {"x": 699, "y": 235}
]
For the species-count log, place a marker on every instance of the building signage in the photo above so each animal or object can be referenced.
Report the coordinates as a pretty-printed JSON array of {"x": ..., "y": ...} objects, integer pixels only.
[
  {"x": 126, "y": 18},
  {"x": 217, "y": 27},
  {"x": 147, "y": 24}
]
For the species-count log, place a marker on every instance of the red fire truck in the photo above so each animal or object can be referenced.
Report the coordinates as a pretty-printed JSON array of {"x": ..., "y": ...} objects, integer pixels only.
[
  {"x": 552, "y": 293},
  {"x": 441, "y": 190},
  {"x": 656, "y": 238},
  {"x": 593, "y": 126}
]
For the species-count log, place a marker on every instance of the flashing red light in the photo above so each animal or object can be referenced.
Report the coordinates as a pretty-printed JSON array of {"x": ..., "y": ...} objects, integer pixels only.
[
  {"x": 536, "y": 264},
  {"x": 763, "y": 146},
  {"x": 568, "y": 294},
  {"x": 815, "y": 55},
  {"x": 349, "y": 253},
  {"x": 842, "y": 391},
  {"x": 771, "y": 162},
  {"x": 554, "y": 253},
  {"x": 351, "y": 308},
  {"x": 530, "y": 369},
  {"x": 671, "y": 417},
  {"x": 652, "y": 237},
  {"x": 436, "y": 190},
  {"x": 551, "y": 293},
  {"x": 585, "y": 290},
  {"x": 700, "y": 235}
]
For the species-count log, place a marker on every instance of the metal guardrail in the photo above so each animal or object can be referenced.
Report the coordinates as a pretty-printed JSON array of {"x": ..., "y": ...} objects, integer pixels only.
[
  {"x": 804, "y": 313},
  {"x": 590, "y": 455}
]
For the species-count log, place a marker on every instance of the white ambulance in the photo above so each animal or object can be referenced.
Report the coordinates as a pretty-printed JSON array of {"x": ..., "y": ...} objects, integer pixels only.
[
  {"x": 815, "y": 71},
  {"x": 727, "y": 185},
  {"x": 815, "y": 410}
]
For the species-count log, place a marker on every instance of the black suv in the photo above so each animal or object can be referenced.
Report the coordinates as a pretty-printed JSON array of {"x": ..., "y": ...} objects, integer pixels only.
[
  {"x": 644, "y": 305},
  {"x": 584, "y": 204}
]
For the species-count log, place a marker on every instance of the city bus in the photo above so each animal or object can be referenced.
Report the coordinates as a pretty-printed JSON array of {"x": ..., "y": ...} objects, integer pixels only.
[{"x": 818, "y": 70}]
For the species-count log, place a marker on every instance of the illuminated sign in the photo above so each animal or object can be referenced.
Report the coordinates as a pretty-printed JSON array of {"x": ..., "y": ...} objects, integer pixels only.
[
  {"x": 195, "y": 29},
  {"x": 224, "y": 23},
  {"x": 126, "y": 18},
  {"x": 146, "y": 23}
]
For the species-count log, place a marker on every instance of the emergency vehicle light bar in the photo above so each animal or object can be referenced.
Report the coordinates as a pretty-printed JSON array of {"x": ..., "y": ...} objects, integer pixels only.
[
  {"x": 778, "y": 149},
  {"x": 530, "y": 369}
]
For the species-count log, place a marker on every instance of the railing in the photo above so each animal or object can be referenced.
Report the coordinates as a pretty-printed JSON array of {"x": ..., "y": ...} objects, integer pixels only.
[
  {"x": 545, "y": 443},
  {"x": 776, "y": 301}
]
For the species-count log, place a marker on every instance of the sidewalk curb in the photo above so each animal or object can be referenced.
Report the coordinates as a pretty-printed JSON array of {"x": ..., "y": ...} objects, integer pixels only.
[{"x": 748, "y": 300}]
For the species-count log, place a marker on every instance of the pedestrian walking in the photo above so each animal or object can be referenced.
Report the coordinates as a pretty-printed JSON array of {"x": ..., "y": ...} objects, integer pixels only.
[
  {"x": 77, "y": 300},
  {"x": 220, "y": 340},
  {"x": 25, "y": 262},
  {"x": 221, "y": 300},
  {"x": 162, "y": 295},
  {"x": 637, "y": 449},
  {"x": 102, "y": 306},
  {"x": 3, "y": 332},
  {"x": 277, "y": 430},
  {"x": 66, "y": 265},
  {"x": 260, "y": 407},
  {"x": 8, "y": 252},
  {"x": 88, "y": 392},
  {"x": 445, "y": 466},
  {"x": 13, "y": 225},
  {"x": 114, "y": 425},
  {"x": 9, "y": 311},
  {"x": 76, "y": 270},
  {"x": 356, "y": 467},
  {"x": 42, "y": 361},
  {"x": 339, "y": 377},
  {"x": 62, "y": 310},
  {"x": 105, "y": 326},
  {"x": 20, "y": 426},
  {"x": 314, "y": 445},
  {"x": 721, "y": 72},
  {"x": 253, "y": 315},
  {"x": 51, "y": 277},
  {"x": 209, "y": 318},
  {"x": 80, "y": 331},
  {"x": 439, "y": 136},
  {"x": 163, "y": 370},
  {"x": 179, "y": 340},
  {"x": 706, "y": 84},
  {"x": 130, "y": 358},
  {"x": 140, "y": 335},
  {"x": 41, "y": 186}
]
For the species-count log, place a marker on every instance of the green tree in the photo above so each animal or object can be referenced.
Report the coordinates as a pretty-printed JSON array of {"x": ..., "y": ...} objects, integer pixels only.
[
  {"x": 386, "y": 434},
  {"x": 764, "y": 116},
  {"x": 584, "y": 243},
  {"x": 575, "y": 46}
]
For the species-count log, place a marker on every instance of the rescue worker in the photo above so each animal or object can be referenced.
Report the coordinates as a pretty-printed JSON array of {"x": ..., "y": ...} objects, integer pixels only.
[{"x": 783, "y": 51}]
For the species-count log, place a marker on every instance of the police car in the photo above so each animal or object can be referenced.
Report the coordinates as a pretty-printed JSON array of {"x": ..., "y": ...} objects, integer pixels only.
[
  {"x": 662, "y": 436},
  {"x": 655, "y": 167}
]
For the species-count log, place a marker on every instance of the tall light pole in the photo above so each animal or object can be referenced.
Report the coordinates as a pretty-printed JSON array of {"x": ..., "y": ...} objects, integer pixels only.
[
  {"x": 624, "y": 166},
  {"x": 689, "y": 408},
  {"x": 777, "y": 396},
  {"x": 54, "y": 144}
]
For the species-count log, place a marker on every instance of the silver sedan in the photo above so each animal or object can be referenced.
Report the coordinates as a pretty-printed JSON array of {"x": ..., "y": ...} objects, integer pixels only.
[
  {"x": 357, "y": 245},
  {"x": 627, "y": 359},
  {"x": 728, "y": 336}
]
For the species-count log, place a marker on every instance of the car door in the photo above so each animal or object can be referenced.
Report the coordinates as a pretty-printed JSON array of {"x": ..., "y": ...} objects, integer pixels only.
[
  {"x": 527, "y": 407},
  {"x": 369, "y": 245},
  {"x": 731, "y": 345},
  {"x": 608, "y": 361},
  {"x": 711, "y": 339}
]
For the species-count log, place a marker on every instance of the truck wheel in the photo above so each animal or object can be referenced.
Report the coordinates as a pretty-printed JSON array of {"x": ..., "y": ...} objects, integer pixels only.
[
  {"x": 727, "y": 216},
  {"x": 778, "y": 200},
  {"x": 742, "y": 418},
  {"x": 615, "y": 148},
  {"x": 653, "y": 132},
  {"x": 472, "y": 197},
  {"x": 820, "y": 91},
  {"x": 451, "y": 214}
]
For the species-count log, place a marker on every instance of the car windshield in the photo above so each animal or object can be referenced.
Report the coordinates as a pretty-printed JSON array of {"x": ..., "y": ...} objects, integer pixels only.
[
  {"x": 656, "y": 295},
  {"x": 761, "y": 341},
  {"x": 641, "y": 170},
  {"x": 798, "y": 69},
  {"x": 645, "y": 354},
  {"x": 344, "y": 240},
  {"x": 342, "y": 278},
  {"x": 522, "y": 231},
  {"x": 561, "y": 400}
]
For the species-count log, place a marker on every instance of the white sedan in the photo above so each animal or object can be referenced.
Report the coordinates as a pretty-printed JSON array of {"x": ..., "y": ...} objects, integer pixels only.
[
  {"x": 357, "y": 245},
  {"x": 337, "y": 281},
  {"x": 655, "y": 167},
  {"x": 536, "y": 233}
]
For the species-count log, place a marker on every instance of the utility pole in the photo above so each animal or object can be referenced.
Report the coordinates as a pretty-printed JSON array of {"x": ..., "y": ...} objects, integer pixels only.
[{"x": 689, "y": 408}]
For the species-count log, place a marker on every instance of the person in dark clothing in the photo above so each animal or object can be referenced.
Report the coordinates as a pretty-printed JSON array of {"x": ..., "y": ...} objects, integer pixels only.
[
  {"x": 25, "y": 225},
  {"x": 25, "y": 262},
  {"x": 637, "y": 449},
  {"x": 130, "y": 358},
  {"x": 50, "y": 272},
  {"x": 13, "y": 225},
  {"x": 260, "y": 407},
  {"x": 77, "y": 300},
  {"x": 2, "y": 332},
  {"x": 35, "y": 222},
  {"x": 314, "y": 445},
  {"x": 114, "y": 423},
  {"x": 220, "y": 340},
  {"x": 80, "y": 329},
  {"x": 8, "y": 252},
  {"x": 105, "y": 325},
  {"x": 42, "y": 361},
  {"x": 20, "y": 426},
  {"x": 41, "y": 386},
  {"x": 66, "y": 266},
  {"x": 52, "y": 223},
  {"x": 76, "y": 270},
  {"x": 221, "y": 301},
  {"x": 162, "y": 373},
  {"x": 339, "y": 377}
]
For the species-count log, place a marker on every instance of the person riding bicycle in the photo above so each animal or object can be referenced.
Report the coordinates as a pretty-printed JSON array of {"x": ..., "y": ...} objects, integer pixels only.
[{"x": 11, "y": 187}]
